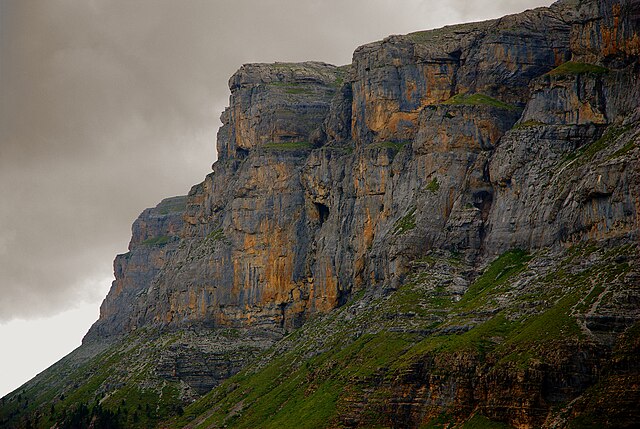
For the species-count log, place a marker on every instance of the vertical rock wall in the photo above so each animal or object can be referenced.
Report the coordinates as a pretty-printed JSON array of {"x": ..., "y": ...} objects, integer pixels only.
[{"x": 517, "y": 132}]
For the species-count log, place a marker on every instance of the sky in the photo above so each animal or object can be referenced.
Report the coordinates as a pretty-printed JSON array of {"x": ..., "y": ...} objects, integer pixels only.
[{"x": 109, "y": 106}]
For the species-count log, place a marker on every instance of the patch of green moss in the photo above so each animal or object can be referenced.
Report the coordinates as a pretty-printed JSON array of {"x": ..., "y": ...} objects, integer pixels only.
[
  {"x": 444, "y": 420},
  {"x": 405, "y": 223},
  {"x": 172, "y": 205},
  {"x": 143, "y": 408},
  {"x": 478, "y": 100},
  {"x": 288, "y": 146},
  {"x": 628, "y": 147},
  {"x": 396, "y": 146},
  {"x": 346, "y": 148},
  {"x": 160, "y": 240},
  {"x": 218, "y": 235},
  {"x": 587, "y": 153},
  {"x": 411, "y": 299},
  {"x": 431, "y": 36},
  {"x": 519, "y": 357},
  {"x": 528, "y": 124},
  {"x": 433, "y": 186},
  {"x": 574, "y": 68},
  {"x": 496, "y": 274},
  {"x": 553, "y": 324}
]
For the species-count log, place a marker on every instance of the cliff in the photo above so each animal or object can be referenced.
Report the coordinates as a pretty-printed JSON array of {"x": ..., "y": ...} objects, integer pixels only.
[{"x": 443, "y": 232}]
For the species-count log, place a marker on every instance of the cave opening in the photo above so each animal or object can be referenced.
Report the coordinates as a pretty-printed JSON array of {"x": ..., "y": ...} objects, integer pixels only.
[
  {"x": 241, "y": 153},
  {"x": 323, "y": 212},
  {"x": 482, "y": 200}
]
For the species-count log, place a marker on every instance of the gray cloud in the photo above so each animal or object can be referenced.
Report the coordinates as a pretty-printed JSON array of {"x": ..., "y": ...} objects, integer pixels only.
[{"x": 108, "y": 106}]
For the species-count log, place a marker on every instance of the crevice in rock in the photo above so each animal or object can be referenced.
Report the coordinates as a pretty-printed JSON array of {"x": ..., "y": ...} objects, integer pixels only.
[
  {"x": 283, "y": 308},
  {"x": 241, "y": 153},
  {"x": 323, "y": 212}
]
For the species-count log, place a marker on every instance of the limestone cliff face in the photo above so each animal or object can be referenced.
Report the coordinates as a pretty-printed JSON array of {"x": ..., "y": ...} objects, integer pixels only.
[
  {"x": 331, "y": 180},
  {"x": 443, "y": 232},
  {"x": 154, "y": 241}
]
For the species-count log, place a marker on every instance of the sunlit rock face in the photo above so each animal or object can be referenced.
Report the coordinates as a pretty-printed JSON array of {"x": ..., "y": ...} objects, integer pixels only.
[{"x": 332, "y": 179}]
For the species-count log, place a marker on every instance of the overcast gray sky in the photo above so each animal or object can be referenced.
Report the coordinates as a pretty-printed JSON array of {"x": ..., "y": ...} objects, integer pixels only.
[{"x": 108, "y": 106}]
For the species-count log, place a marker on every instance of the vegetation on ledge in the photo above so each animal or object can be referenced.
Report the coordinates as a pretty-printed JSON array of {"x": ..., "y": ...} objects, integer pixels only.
[
  {"x": 157, "y": 241},
  {"x": 288, "y": 146},
  {"x": 396, "y": 146},
  {"x": 574, "y": 68},
  {"x": 478, "y": 100},
  {"x": 405, "y": 223},
  {"x": 589, "y": 151},
  {"x": 433, "y": 186}
]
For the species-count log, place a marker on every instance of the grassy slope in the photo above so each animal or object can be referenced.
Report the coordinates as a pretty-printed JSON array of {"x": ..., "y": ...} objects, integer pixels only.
[
  {"x": 320, "y": 371},
  {"x": 349, "y": 363},
  {"x": 119, "y": 377}
]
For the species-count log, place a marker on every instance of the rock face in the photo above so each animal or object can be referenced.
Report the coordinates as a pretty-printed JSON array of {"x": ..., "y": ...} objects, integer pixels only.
[
  {"x": 331, "y": 180},
  {"x": 347, "y": 185},
  {"x": 154, "y": 241}
]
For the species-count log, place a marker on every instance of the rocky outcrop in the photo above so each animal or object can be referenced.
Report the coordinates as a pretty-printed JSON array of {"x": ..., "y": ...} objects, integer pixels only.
[
  {"x": 276, "y": 103},
  {"x": 397, "y": 77},
  {"x": 155, "y": 236}
]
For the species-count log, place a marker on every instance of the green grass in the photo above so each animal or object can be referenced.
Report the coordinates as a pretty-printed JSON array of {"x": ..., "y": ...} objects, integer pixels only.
[
  {"x": 73, "y": 383},
  {"x": 218, "y": 235},
  {"x": 436, "y": 34},
  {"x": 495, "y": 275},
  {"x": 405, "y": 223},
  {"x": 149, "y": 405},
  {"x": 528, "y": 124},
  {"x": 160, "y": 240},
  {"x": 282, "y": 395},
  {"x": 628, "y": 147},
  {"x": 288, "y": 146},
  {"x": 396, "y": 146},
  {"x": 310, "y": 383},
  {"x": 444, "y": 420},
  {"x": 479, "y": 340},
  {"x": 298, "y": 390},
  {"x": 341, "y": 73},
  {"x": 478, "y": 100},
  {"x": 574, "y": 68},
  {"x": 346, "y": 148},
  {"x": 433, "y": 186},
  {"x": 172, "y": 205},
  {"x": 553, "y": 324},
  {"x": 586, "y": 153}
]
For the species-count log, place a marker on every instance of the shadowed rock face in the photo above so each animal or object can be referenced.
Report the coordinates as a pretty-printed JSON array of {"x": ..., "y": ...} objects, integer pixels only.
[{"x": 475, "y": 139}]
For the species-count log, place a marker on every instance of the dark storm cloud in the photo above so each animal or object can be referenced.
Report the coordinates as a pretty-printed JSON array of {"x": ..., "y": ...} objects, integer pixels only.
[{"x": 109, "y": 106}]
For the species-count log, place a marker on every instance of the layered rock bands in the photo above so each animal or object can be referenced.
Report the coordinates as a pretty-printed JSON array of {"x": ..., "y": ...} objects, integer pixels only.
[{"x": 476, "y": 138}]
